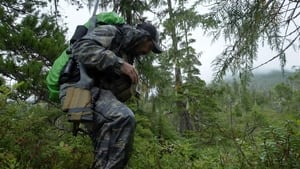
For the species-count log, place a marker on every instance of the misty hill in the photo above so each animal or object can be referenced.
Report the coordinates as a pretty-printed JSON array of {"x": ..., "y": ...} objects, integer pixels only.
[
  {"x": 266, "y": 80},
  {"x": 270, "y": 79}
]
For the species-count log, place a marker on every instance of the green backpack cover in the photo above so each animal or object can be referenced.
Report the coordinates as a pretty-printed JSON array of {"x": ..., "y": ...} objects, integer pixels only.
[{"x": 55, "y": 72}]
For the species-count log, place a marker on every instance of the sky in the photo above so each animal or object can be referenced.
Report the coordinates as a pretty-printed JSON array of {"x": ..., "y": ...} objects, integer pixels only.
[
  {"x": 203, "y": 44},
  {"x": 211, "y": 50}
]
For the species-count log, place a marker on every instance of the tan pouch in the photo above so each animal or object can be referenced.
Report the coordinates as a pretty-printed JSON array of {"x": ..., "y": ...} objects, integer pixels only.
[{"x": 78, "y": 105}]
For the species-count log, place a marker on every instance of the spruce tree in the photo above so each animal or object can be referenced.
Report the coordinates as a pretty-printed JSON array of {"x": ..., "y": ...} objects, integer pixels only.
[
  {"x": 179, "y": 21},
  {"x": 246, "y": 26},
  {"x": 30, "y": 42}
]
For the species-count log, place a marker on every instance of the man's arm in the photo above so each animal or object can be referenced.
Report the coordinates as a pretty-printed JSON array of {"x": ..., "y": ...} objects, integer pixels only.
[
  {"x": 94, "y": 55},
  {"x": 92, "y": 51}
]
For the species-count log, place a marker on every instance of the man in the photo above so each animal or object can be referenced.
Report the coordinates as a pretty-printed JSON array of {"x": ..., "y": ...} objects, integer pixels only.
[{"x": 107, "y": 53}]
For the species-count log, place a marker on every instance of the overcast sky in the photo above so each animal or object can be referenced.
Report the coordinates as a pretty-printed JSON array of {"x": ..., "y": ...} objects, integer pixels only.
[{"x": 203, "y": 44}]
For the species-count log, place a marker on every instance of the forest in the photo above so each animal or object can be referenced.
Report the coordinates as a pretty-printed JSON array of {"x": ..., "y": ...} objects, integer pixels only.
[{"x": 238, "y": 120}]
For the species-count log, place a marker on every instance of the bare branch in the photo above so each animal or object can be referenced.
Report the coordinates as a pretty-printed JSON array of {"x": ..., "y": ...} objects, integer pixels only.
[{"x": 279, "y": 54}]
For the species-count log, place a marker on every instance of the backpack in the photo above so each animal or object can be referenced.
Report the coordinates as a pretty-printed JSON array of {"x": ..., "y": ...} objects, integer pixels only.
[{"x": 60, "y": 63}]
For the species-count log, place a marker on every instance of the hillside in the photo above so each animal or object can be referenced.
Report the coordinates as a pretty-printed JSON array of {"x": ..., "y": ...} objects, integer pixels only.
[{"x": 268, "y": 80}]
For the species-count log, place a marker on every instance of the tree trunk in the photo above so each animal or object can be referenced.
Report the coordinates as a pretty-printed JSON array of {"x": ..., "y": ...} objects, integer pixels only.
[{"x": 183, "y": 114}]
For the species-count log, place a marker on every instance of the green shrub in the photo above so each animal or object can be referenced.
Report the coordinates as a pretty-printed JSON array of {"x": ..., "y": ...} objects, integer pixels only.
[
  {"x": 29, "y": 139},
  {"x": 281, "y": 146}
]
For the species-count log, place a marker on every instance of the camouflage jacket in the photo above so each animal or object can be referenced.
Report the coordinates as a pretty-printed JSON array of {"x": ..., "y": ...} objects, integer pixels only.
[{"x": 102, "y": 51}]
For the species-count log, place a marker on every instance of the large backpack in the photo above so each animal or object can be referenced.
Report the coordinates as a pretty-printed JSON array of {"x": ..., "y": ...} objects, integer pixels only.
[{"x": 55, "y": 72}]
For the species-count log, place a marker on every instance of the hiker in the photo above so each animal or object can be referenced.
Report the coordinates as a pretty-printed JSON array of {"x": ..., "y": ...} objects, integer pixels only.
[{"x": 107, "y": 53}]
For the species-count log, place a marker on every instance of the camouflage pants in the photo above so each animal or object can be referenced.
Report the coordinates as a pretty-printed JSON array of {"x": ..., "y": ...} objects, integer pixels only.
[{"x": 112, "y": 132}]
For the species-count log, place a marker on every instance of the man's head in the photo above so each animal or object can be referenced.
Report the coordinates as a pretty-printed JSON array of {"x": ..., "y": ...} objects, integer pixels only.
[
  {"x": 144, "y": 46},
  {"x": 151, "y": 39}
]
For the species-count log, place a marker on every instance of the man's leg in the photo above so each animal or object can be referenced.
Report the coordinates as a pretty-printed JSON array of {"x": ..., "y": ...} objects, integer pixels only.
[{"x": 112, "y": 133}]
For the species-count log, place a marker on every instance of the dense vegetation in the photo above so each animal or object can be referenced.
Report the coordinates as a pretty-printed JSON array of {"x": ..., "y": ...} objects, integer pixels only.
[
  {"x": 260, "y": 130},
  {"x": 182, "y": 122}
]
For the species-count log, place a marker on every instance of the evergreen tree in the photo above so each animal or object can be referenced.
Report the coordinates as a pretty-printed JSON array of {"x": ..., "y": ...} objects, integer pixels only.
[
  {"x": 31, "y": 40},
  {"x": 294, "y": 82},
  {"x": 247, "y": 25},
  {"x": 182, "y": 58}
]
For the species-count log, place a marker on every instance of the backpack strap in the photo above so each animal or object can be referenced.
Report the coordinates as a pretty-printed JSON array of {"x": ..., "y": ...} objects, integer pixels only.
[{"x": 80, "y": 31}]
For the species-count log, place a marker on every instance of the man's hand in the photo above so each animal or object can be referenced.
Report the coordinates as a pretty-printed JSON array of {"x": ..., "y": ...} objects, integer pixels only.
[{"x": 130, "y": 71}]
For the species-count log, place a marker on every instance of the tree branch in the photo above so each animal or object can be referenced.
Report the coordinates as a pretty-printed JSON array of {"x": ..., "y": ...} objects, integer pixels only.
[{"x": 279, "y": 54}]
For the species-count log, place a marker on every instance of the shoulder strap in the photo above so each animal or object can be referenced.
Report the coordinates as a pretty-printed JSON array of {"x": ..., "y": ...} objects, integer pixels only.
[
  {"x": 78, "y": 34},
  {"x": 82, "y": 30}
]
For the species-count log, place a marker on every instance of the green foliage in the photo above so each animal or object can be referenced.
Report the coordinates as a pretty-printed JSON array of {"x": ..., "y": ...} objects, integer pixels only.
[
  {"x": 30, "y": 42},
  {"x": 281, "y": 146},
  {"x": 260, "y": 138},
  {"x": 30, "y": 139},
  {"x": 282, "y": 96},
  {"x": 232, "y": 124},
  {"x": 179, "y": 20},
  {"x": 248, "y": 25}
]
